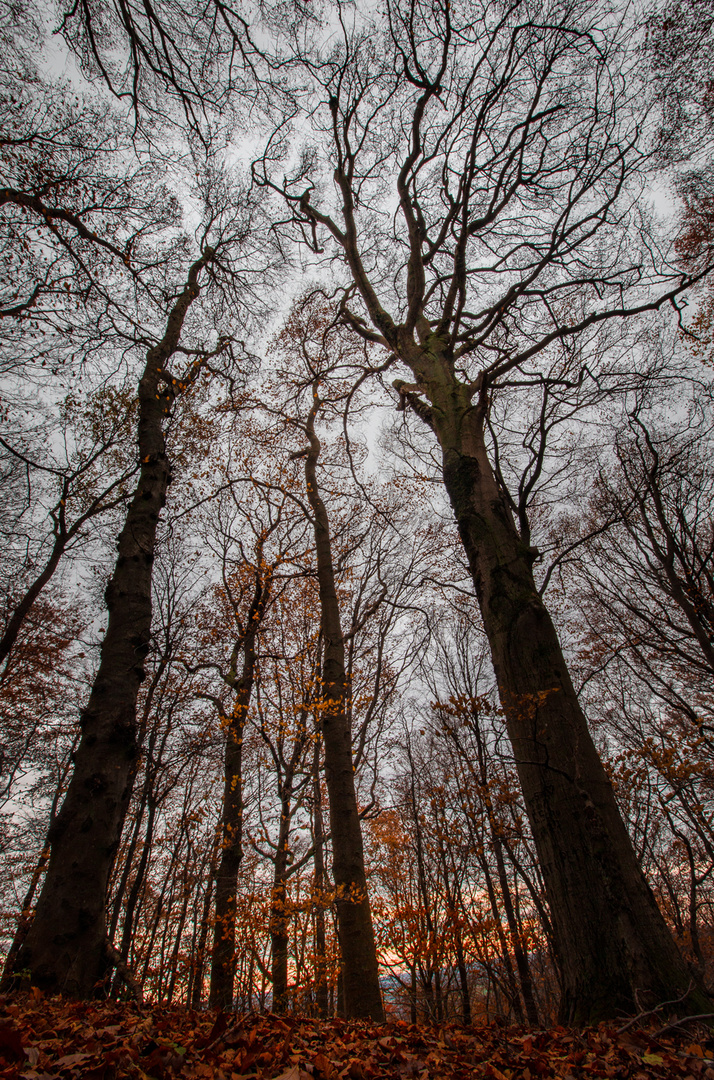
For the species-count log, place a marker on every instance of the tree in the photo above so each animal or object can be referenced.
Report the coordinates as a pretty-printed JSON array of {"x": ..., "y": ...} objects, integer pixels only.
[
  {"x": 513, "y": 187},
  {"x": 356, "y": 934},
  {"x": 65, "y": 948},
  {"x": 252, "y": 577}
]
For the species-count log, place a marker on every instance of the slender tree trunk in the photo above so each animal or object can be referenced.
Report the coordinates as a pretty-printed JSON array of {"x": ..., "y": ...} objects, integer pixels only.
[
  {"x": 531, "y": 1010},
  {"x": 453, "y": 896},
  {"x": 177, "y": 934},
  {"x": 63, "y": 535},
  {"x": 362, "y": 995},
  {"x": 432, "y": 943},
  {"x": 24, "y": 922},
  {"x": 518, "y": 953},
  {"x": 199, "y": 957},
  {"x": 65, "y": 946},
  {"x": 163, "y": 905},
  {"x": 27, "y": 600},
  {"x": 138, "y": 882},
  {"x": 26, "y": 912},
  {"x": 611, "y": 938},
  {"x": 509, "y": 976},
  {"x": 223, "y": 957},
  {"x": 463, "y": 980},
  {"x": 279, "y": 937},
  {"x": 321, "y": 999},
  {"x": 118, "y": 899},
  {"x": 153, "y": 765},
  {"x": 438, "y": 996},
  {"x": 537, "y": 898}
]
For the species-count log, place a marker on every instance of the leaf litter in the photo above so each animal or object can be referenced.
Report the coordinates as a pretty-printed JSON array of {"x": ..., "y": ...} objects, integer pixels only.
[{"x": 53, "y": 1039}]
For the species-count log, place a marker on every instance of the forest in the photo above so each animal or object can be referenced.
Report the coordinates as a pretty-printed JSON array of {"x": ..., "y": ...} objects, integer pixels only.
[{"x": 357, "y": 573}]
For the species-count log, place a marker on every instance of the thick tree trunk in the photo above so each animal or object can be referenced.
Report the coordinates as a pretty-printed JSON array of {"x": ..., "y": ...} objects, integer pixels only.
[
  {"x": 362, "y": 995},
  {"x": 64, "y": 948},
  {"x": 614, "y": 946}
]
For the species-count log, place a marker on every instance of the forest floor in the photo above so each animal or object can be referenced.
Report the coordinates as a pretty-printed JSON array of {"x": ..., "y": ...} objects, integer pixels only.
[{"x": 52, "y": 1039}]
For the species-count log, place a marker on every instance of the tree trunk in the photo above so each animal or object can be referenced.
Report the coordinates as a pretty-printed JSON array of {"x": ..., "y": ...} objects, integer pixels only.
[
  {"x": 279, "y": 941},
  {"x": 199, "y": 956},
  {"x": 614, "y": 947},
  {"x": 279, "y": 937},
  {"x": 138, "y": 883},
  {"x": 413, "y": 994},
  {"x": 321, "y": 994},
  {"x": 64, "y": 949},
  {"x": 463, "y": 980},
  {"x": 223, "y": 958},
  {"x": 362, "y": 995},
  {"x": 531, "y": 1010},
  {"x": 520, "y": 956}
]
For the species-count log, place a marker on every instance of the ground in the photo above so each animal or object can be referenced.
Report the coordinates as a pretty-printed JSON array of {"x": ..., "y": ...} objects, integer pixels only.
[{"x": 52, "y": 1039}]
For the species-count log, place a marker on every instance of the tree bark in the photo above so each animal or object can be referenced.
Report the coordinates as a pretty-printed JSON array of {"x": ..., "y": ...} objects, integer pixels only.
[
  {"x": 362, "y": 995},
  {"x": 279, "y": 938},
  {"x": 64, "y": 948},
  {"x": 615, "y": 949}
]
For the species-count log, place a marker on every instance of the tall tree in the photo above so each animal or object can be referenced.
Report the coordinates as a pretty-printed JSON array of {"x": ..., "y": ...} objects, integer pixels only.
[
  {"x": 243, "y": 600},
  {"x": 65, "y": 948},
  {"x": 357, "y": 944},
  {"x": 512, "y": 184},
  {"x": 356, "y": 933}
]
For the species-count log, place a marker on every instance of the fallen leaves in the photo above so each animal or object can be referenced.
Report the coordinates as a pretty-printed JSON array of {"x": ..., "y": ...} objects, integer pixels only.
[{"x": 57, "y": 1040}]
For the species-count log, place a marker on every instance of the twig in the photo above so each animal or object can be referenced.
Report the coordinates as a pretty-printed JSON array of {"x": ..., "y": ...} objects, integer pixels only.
[
  {"x": 684, "y": 1020},
  {"x": 657, "y": 1008}
]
